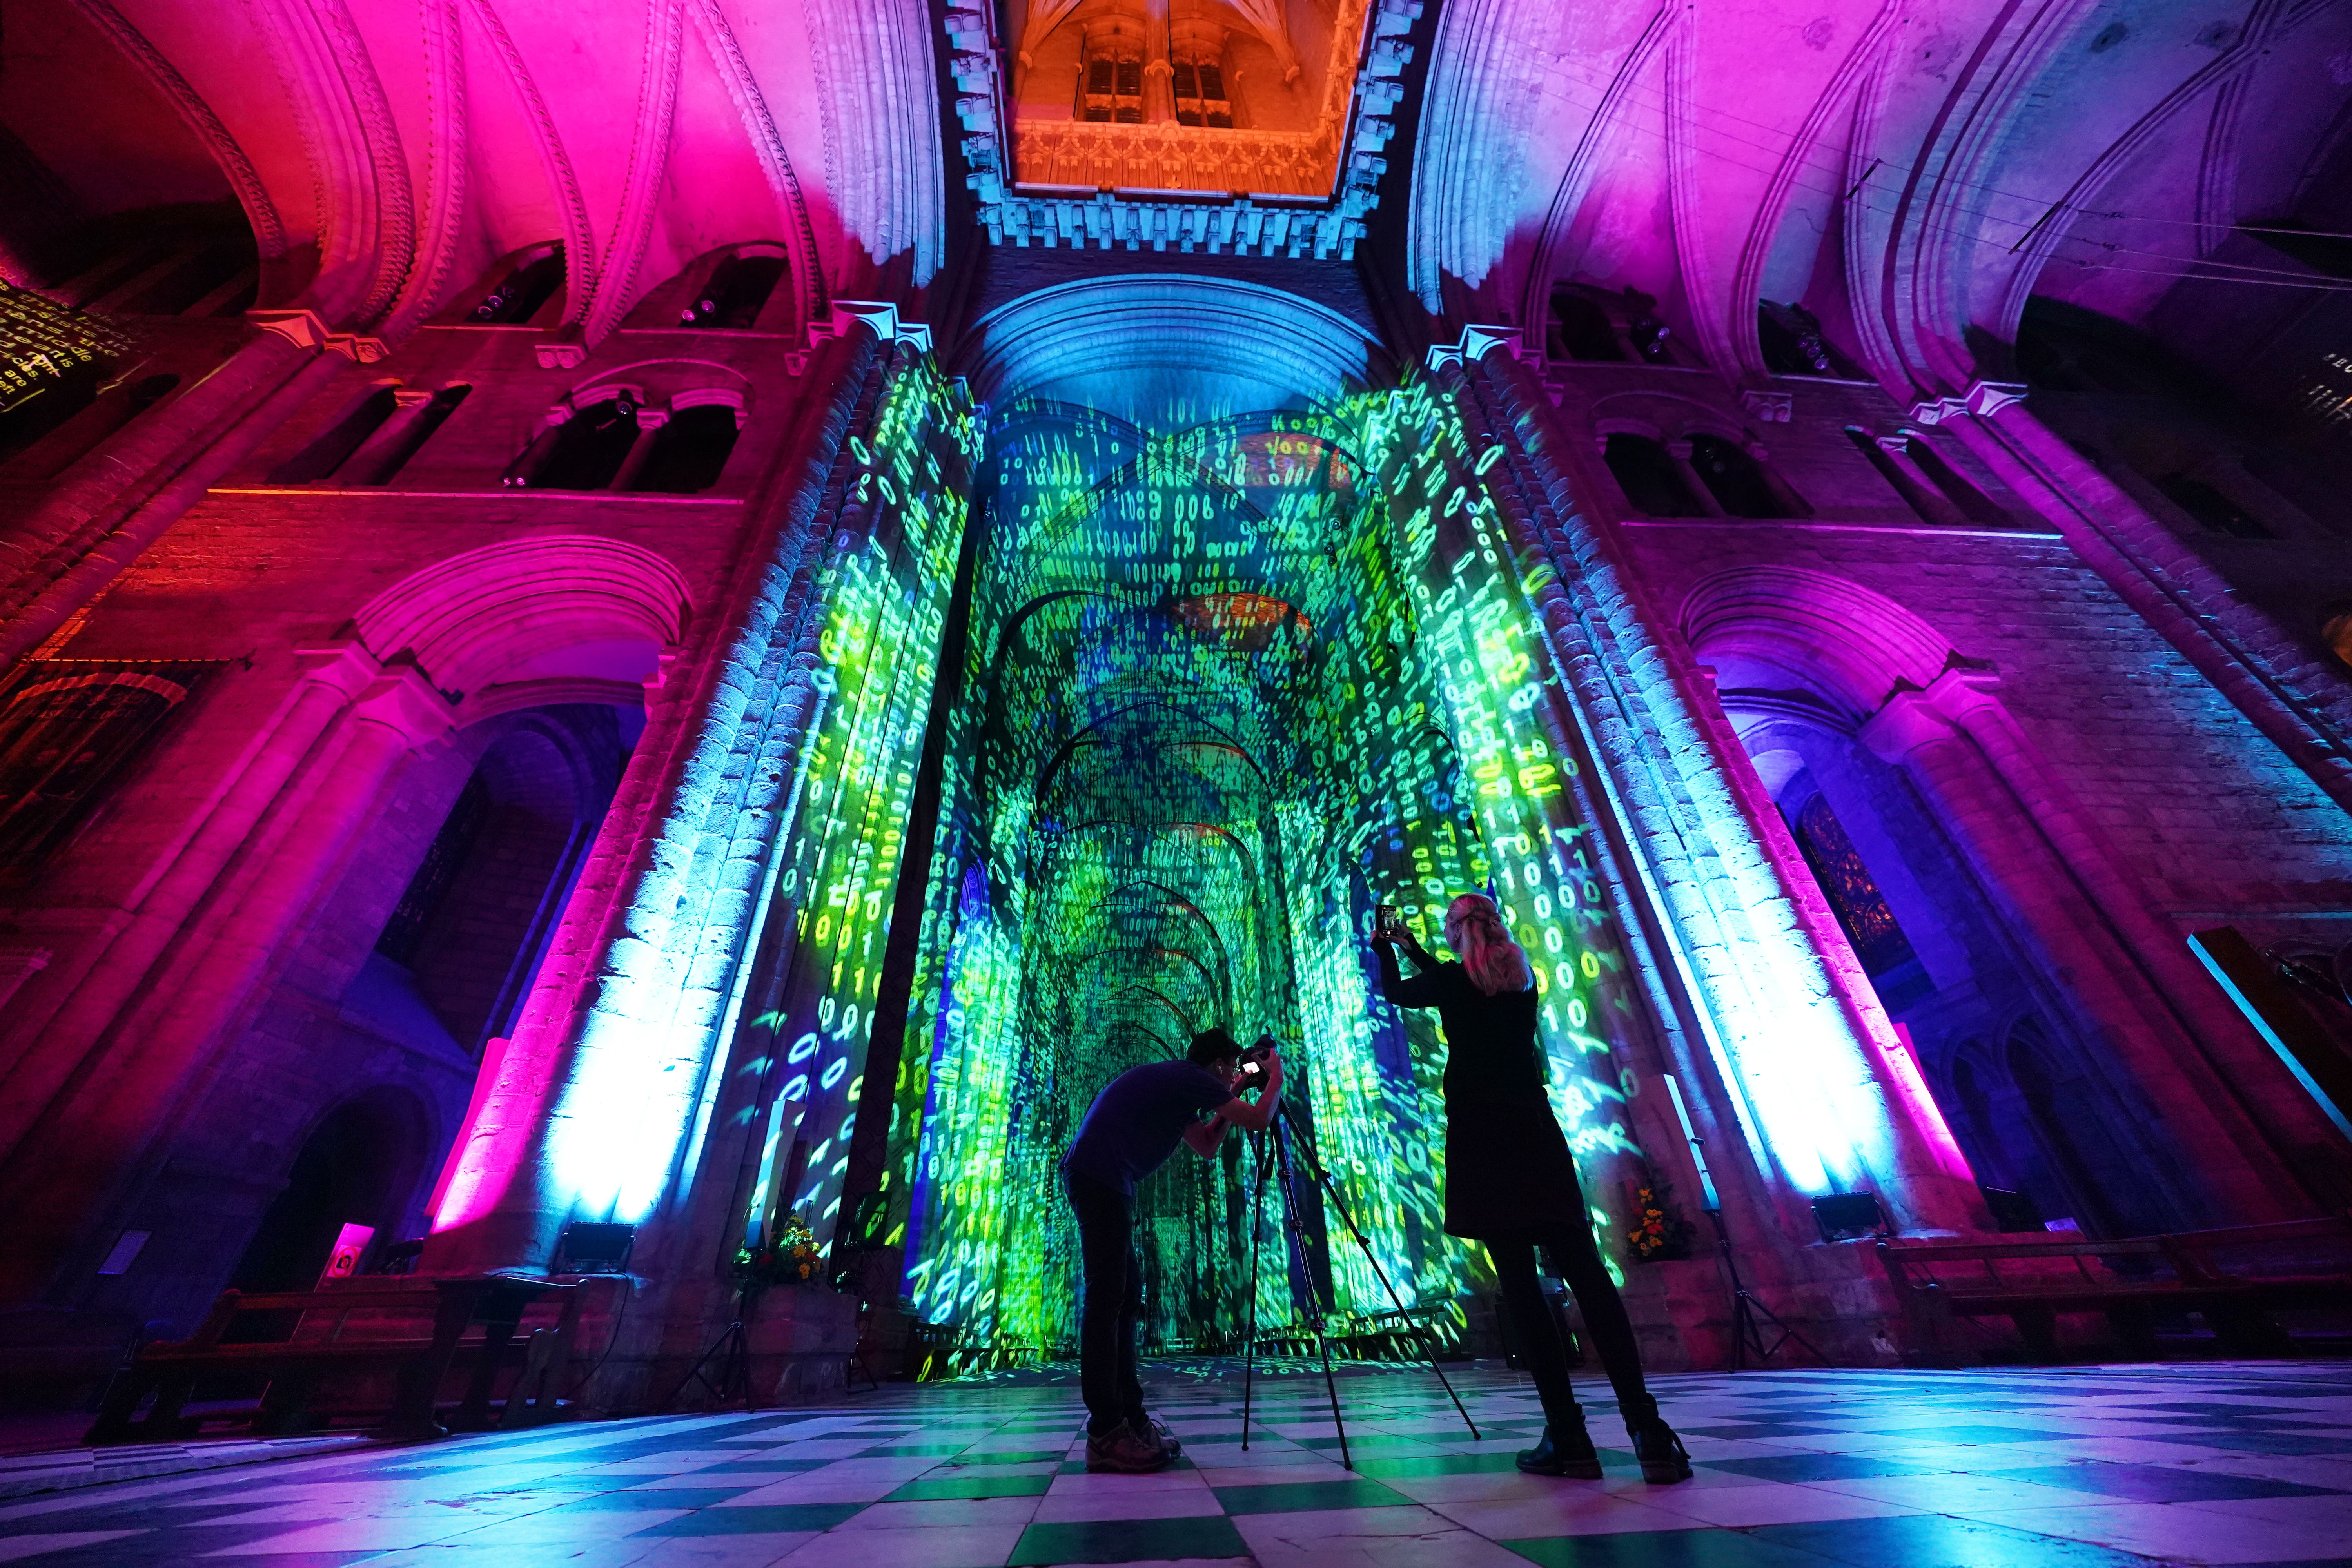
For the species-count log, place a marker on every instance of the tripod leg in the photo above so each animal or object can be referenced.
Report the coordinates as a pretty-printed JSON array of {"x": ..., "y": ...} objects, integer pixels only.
[
  {"x": 1306, "y": 1273},
  {"x": 695, "y": 1374},
  {"x": 1249, "y": 1342},
  {"x": 739, "y": 1369},
  {"x": 1323, "y": 1177}
]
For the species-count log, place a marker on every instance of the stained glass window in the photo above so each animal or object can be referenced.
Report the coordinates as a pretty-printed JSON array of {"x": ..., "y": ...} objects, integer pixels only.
[{"x": 1853, "y": 896}]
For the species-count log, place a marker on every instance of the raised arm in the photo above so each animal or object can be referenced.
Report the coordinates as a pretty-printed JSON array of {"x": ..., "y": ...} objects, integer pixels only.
[
  {"x": 1203, "y": 1137},
  {"x": 1421, "y": 991}
]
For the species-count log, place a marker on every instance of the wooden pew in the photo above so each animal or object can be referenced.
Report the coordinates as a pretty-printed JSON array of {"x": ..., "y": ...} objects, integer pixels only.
[
  {"x": 1939, "y": 1283},
  {"x": 413, "y": 1331}
]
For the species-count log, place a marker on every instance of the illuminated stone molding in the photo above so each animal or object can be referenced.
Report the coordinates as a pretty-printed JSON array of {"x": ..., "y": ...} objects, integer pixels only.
[{"x": 306, "y": 330}]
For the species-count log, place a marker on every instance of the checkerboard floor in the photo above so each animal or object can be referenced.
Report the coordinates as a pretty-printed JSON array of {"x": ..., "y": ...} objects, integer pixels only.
[{"x": 2079, "y": 1468}]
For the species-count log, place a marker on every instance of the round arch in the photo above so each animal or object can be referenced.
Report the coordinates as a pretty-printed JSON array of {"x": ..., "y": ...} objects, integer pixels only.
[
  {"x": 499, "y": 624},
  {"x": 1856, "y": 647},
  {"x": 1137, "y": 346}
]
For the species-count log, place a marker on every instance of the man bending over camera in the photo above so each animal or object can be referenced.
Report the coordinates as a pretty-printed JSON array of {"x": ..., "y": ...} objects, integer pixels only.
[{"x": 1132, "y": 1129}]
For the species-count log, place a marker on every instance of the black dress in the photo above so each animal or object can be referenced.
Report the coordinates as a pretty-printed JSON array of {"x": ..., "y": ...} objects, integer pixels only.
[{"x": 1508, "y": 1170}]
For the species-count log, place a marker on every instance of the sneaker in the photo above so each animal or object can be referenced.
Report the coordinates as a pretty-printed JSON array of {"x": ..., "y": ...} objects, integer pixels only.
[
  {"x": 1664, "y": 1458},
  {"x": 1168, "y": 1439},
  {"x": 1124, "y": 1451},
  {"x": 1564, "y": 1451}
]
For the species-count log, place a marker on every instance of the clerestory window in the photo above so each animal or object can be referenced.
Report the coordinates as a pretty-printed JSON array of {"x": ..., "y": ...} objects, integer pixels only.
[
  {"x": 1201, "y": 94},
  {"x": 1110, "y": 89}
]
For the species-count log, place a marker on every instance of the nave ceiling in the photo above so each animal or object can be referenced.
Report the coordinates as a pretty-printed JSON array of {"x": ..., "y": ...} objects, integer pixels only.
[{"x": 1910, "y": 170}]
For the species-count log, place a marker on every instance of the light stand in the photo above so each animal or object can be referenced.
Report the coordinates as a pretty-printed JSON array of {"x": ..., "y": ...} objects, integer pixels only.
[
  {"x": 733, "y": 1350},
  {"x": 1746, "y": 1329},
  {"x": 1296, "y": 1227},
  {"x": 1746, "y": 1332}
]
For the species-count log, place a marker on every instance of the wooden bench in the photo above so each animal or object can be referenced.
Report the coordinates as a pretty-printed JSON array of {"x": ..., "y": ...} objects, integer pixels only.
[
  {"x": 1938, "y": 1284},
  {"x": 2297, "y": 1263},
  {"x": 414, "y": 1332}
]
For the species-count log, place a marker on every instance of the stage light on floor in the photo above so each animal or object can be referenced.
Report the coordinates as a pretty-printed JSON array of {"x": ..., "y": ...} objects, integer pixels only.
[
  {"x": 1845, "y": 1217},
  {"x": 588, "y": 1249}
]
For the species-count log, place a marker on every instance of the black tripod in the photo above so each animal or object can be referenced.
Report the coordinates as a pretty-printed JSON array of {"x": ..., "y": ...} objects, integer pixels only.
[
  {"x": 1295, "y": 1225},
  {"x": 1746, "y": 1332},
  {"x": 732, "y": 1351}
]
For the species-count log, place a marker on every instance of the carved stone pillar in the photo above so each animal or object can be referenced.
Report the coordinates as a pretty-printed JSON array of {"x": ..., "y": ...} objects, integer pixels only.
[
  {"x": 1159, "y": 93},
  {"x": 1701, "y": 496},
  {"x": 650, "y": 424},
  {"x": 1794, "y": 1031},
  {"x": 107, "y": 1126},
  {"x": 2054, "y": 884},
  {"x": 608, "y": 1037}
]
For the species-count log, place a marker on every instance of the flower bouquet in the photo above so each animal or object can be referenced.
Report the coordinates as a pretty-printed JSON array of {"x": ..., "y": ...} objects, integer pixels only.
[
  {"x": 1659, "y": 1232},
  {"x": 790, "y": 1256}
]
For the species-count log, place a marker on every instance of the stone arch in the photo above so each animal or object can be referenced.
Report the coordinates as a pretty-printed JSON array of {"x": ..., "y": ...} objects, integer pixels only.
[
  {"x": 1125, "y": 345},
  {"x": 1664, "y": 416},
  {"x": 1856, "y": 647},
  {"x": 361, "y": 1159},
  {"x": 475, "y": 922},
  {"x": 519, "y": 625},
  {"x": 665, "y": 307},
  {"x": 677, "y": 383},
  {"x": 485, "y": 300}
]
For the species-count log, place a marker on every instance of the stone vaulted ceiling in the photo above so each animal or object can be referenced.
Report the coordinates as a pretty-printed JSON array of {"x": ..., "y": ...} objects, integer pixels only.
[{"x": 1908, "y": 170}]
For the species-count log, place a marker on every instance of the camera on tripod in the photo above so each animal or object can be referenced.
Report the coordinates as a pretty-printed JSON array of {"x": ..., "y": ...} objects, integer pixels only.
[{"x": 1254, "y": 1058}]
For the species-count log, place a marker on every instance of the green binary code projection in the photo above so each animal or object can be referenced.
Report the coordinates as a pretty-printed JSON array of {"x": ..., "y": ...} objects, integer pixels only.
[
  {"x": 886, "y": 578},
  {"x": 1225, "y": 690}
]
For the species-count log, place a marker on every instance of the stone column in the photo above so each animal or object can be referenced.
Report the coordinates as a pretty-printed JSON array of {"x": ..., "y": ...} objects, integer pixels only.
[
  {"x": 1749, "y": 946},
  {"x": 1701, "y": 493},
  {"x": 2053, "y": 883},
  {"x": 409, "y": 404},
  {"x": 107, "y": 1125},
  {"x": 1930, "y": 503},
  {"x": 1159, "y": 91},
  {"x": 618, "y": 1026},
  {"x": 650, "y": 424}
]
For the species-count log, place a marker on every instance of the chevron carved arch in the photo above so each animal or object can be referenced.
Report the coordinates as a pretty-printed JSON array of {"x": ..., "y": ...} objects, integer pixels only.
[
  {"x": 809, "y": 290},
  {"x": 562, "y": 180},
  {"x": 2267, "y": 26},
  {"x": 445, "y": 155},
  {"x": 260, "y": 212},
  {"x": 1535, "y": 302},
  {"x": 648, "y": 161},
  {"x": 366, "y": 217},
  {"x": 1836, "y": 101}
]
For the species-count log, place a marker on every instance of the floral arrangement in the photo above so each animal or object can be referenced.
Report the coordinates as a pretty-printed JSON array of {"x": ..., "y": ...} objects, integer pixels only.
[
  {"x": 1659, "y": 1232},
  {"x": 789, "y": 1256}
]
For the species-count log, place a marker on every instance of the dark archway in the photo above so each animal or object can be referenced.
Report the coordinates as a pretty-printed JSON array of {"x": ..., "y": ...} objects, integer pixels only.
[
  {"x": 359, "y": 1166},
  {"x": 474, "y": 921}
]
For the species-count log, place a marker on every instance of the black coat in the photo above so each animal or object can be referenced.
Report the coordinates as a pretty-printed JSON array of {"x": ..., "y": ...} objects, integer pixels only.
[{"x": 1508, "y": 1170}]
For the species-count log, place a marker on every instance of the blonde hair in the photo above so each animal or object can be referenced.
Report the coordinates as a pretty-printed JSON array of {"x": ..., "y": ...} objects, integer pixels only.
[{"x": 1473, "y": 930}]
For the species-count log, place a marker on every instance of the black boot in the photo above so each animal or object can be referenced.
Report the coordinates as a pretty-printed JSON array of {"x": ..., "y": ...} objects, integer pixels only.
[
  {"x": 1565, "y": 1449},
  {"x": 1664, "y": 1458}
]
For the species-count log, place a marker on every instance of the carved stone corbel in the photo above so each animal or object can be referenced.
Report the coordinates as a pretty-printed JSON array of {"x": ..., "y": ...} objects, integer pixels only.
[{"x": 306, "y": 329}]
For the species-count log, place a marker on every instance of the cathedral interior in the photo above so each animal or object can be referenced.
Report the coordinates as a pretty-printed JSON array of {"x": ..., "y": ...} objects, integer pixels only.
[{"x": 637, "y": 629}]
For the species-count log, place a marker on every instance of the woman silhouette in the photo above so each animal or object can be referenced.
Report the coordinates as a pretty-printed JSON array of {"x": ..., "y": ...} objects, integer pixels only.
[{"x": 1510, "y": 1183}]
